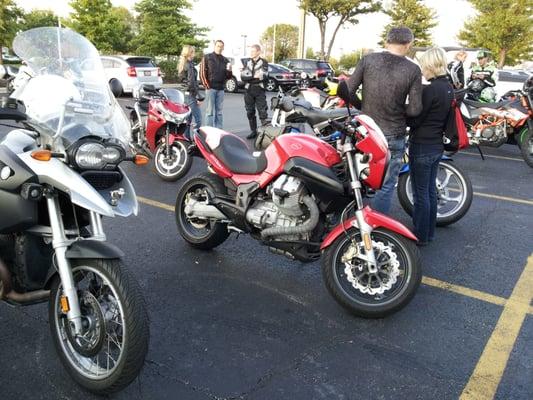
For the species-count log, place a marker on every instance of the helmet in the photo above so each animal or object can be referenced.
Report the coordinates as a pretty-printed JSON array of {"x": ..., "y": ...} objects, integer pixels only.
[
  {"x": 246, "y": 75},
  {"x": 483, "y": 54},
  {"x": 488, "y": 95},
  {"x": 528, "y": 86},
  {"x": 477, "y": 85}
]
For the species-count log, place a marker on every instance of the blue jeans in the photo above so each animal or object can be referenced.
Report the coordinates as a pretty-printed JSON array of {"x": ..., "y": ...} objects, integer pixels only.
[
  {"x": 424, "y": 164},
  {"x": 196, "y": 113},
  {"x": 383, "y": 198},
  {"x": 213, "y": 113}
]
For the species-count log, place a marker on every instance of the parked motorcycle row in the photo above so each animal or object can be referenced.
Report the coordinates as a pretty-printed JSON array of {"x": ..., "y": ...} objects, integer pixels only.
[{"x": 301, "y": 192}]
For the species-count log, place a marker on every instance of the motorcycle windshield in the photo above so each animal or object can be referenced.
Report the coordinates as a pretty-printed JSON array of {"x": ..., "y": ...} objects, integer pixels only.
[{"x": 68, "y": 77}]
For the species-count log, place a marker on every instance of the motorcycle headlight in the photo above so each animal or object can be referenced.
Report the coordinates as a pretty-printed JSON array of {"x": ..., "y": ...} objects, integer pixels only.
[{"x": 95, "y": 155}]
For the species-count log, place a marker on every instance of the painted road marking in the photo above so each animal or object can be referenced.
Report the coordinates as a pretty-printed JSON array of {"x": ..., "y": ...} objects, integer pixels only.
[
  {"x": 154, "y": 203},
  {"x": 491, "y": 156},
  {"x": 504, "y": 198},
  {"x": 489, "y": 370}
]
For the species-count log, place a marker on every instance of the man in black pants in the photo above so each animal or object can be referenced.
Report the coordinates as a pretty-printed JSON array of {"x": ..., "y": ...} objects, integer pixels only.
[{"x": 254, "y": 74}]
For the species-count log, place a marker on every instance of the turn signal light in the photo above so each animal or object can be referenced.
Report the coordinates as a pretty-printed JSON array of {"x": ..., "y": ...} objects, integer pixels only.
[
  {"x": 367, "y": 241},
  {"x": 42, "y": 155},
  {"x": 141, "y": 160},
  {"x": 65, "y": 307}
]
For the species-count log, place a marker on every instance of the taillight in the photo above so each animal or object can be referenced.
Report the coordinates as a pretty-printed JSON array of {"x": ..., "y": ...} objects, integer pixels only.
[
  {"x": 321, "y": 72},
  {"x": 132, "y": 71},
  {"x": 286, "y": 76},
  {"x": 158, "y": 71}
]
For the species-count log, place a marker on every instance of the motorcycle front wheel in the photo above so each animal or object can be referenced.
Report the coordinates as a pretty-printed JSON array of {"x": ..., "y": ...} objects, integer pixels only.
[
  {"x": 174, "y": 165},
  {"x": 372, "y": 294},
  {"x": 454, "y": 193},
  {"x": 110, "y": 353}
]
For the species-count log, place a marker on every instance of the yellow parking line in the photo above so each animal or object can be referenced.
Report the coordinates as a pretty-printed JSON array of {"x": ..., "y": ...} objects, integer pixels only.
[
  {"x": 154, "y": 203},
  {"x": 504, "y": 198},
  {"x": 491, "y": 156},
  {"x": 489, "y": 370},
  {"x": 476, "y": 294}
]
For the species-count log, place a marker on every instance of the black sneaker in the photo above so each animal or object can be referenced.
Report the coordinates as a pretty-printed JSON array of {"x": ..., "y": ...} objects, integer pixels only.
[{"x": 252, "y": 135}]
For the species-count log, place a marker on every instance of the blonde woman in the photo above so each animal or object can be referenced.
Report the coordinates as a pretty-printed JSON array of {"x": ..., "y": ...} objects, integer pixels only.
[
  {"x": 188, "y": 82},
  {"x": 456, "y": 70},
  {"x": 425, "y": 142}
]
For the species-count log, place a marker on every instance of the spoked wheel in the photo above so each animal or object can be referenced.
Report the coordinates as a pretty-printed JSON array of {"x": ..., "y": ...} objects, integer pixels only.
[
  {"x": 200, "y": 232},
  {"x": 454, "y": 193},
  {"x": 173, "y": 164},
  {"x": 271, "y": 85},
  {"x": 372, "y": 294},
  {"x": 110, "y": 352},
  {"x": 526, "y": 146},
  {"x": 305, "y": 83}
]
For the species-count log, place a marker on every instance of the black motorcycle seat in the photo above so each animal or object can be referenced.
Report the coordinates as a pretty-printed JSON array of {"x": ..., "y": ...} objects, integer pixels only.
[
  {"x": 236, "y": 155},
  {"x": 315, "y": 115},
  {"x": 478, "y": 104}
]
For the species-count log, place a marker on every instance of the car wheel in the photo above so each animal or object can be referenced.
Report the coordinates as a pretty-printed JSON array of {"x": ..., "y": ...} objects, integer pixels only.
[
  {"x": 231, "y": 85},
  {"x": 271, "y": 85},
  {"x": 116, "y": 87}
]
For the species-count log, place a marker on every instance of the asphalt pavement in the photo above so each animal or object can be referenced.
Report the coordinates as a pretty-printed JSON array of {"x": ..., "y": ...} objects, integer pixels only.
[{"x": 240, "y": 322}]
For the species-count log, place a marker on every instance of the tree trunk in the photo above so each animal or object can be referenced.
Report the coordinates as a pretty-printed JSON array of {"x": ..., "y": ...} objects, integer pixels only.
[
  {"x": 332, "y": 40},
  {"x": 501, "y": 58},
  {"x": 322, "y": 25}
]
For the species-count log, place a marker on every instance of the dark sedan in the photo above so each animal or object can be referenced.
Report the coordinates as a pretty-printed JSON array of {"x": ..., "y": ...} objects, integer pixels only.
[{"x": 279, "y": 75}]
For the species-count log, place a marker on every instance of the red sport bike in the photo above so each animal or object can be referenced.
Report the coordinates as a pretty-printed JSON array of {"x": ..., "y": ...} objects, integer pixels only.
[
  {"x": 159, "y": 121},
  {"x": 302, "y": 198}
]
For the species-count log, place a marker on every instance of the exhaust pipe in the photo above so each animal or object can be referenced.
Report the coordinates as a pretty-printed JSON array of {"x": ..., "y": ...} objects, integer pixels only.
[
  {"x": 7, "y": 292},
  {"x": 197, "y": 209}
]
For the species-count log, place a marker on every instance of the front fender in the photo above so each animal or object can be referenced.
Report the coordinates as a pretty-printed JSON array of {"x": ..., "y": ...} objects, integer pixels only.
[
  {"x": 375, "y": 220},
  {"x": 93, "y": 249},
  {"x": 60, "y": 176}
]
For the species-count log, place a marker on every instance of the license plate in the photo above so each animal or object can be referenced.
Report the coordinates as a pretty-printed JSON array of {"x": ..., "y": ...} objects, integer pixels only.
[{"x": 147, "y": 73}]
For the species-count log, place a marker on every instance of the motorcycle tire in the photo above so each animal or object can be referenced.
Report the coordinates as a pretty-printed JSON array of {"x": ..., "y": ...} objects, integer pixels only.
[
  {"x": 112, "y": 304},
  {"x": 445, "y": 218},
  {"x": 526, "y": 146},
  {"x": 200, "y": 233},
  {"x": 180, "y": 164},
  {"x": 351, "y": 292}
]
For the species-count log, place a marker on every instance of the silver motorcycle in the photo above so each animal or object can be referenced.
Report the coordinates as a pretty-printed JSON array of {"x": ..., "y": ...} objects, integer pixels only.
[{"x": 59, "y": 176}]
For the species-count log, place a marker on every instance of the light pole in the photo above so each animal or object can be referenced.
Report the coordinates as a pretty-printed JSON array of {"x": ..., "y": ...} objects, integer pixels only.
[
  {"x": 274, "y": 46},
  {"x": 244, "y": 46}
]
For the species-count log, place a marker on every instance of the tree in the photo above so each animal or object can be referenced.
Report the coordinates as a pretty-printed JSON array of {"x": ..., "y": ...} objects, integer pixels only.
[
  {"x": 345, "y": 10},
  {"x": 505, "y": 27},
  {"x": 125, "y": 26},
  {"x": 38, "y": 19},
  {"x": 10, "y": 16},
  {"x": 286, "y": 41},
  {"x": 96, "y": 20},
  {"x": 310, "y": 53},
  {"x": 350, "y": 60},
  {"x": 164, "y": 28},
  {"x": 414, "y": 15}
]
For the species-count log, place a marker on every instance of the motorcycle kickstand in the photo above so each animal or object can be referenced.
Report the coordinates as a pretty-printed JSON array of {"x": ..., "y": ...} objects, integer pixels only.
[{"x": 480, "y": 152}]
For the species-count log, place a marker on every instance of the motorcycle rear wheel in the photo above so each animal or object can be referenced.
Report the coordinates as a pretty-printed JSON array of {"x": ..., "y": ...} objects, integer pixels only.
[
  {"x": 111, "y": 353},
  {"x": 461, "y": 185},
  {"x": 526, "y": 146},
  {"x": 198, "y": 232},
  {"x": 372, "y": 295}
]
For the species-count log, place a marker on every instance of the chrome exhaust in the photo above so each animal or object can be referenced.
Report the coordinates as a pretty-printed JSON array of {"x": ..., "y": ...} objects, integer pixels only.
[{"x": 197, "y": 209}]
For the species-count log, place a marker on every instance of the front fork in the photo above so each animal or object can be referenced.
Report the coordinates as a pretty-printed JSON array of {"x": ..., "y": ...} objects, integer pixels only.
[{"x": 364, "y": 228}]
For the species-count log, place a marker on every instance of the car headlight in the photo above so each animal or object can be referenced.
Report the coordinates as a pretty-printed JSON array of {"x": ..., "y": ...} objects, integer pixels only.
[{"x": 94, "y": 155}]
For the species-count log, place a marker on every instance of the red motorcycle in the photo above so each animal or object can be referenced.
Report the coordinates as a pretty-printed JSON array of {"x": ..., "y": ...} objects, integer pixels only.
[
  {"x": 302, "y": 198},
  {"x": 159, "y": 121}
]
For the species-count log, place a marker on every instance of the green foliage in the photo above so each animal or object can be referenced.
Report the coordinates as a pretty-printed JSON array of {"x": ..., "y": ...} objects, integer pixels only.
[
  {"x": 345, "y": 11},
  {"x": 350, "y": 60},
  {"x": 169, "y": 70},
  {"x": 10, "y": 19},
  {"x": 105, "y": 26},
  {"x": 164, "y": 28},
  {"x": 38, "y": 19},
  {"x": 310, "y": 53},
  {"x": 125, "y": 26},
  {"x": 414, "y": 15},
  {"x": 505, "y": 27},
  {"x": 286, "y": 41},
  {"x": 334, "y": 63}
]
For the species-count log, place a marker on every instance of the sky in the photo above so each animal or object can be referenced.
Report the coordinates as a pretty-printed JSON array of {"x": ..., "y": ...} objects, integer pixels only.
[{"x": 230, "y": 19}]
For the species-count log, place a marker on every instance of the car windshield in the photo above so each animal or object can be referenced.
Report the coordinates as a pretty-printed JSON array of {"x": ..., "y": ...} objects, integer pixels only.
[
  {"x": 280, "y": 68},
  {"x": 323, "y": 65},
  {"x": 69, "y": 81}
]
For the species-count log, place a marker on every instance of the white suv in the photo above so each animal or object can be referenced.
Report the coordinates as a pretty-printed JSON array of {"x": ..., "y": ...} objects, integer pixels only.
[{"x": 131, "y": 71}]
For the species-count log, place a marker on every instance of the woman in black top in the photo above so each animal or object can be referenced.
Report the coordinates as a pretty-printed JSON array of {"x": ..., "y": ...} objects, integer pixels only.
[
  {"x": 188, "y": 82},
  {"x": 425, "y": 142}
]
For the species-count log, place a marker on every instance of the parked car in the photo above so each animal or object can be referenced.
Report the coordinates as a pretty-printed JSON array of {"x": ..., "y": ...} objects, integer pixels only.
[
  {"x": 317, "y": 70},
  {"x": 279, "y": 75},
  {"x": 130, "y": 72}
]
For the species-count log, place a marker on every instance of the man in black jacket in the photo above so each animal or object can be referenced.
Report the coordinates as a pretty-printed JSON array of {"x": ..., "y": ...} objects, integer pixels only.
[
  {"x": 389, "y": 80},
  {"x": 214, "y": 70},
  {"x": 254, "y": 74}
]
